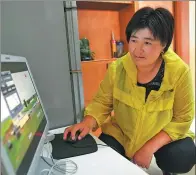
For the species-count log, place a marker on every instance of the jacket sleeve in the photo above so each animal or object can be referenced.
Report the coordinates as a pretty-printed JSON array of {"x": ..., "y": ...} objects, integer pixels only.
[
  {"x": 183, "y": 109},
  {"x": 102, "y": 104}
]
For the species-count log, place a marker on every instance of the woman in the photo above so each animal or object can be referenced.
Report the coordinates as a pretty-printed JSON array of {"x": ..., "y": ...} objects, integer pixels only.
[{"x": 150, "y": 91}]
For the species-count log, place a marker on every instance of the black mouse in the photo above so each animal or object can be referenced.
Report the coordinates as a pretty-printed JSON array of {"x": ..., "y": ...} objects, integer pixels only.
[{"x": 69, "y": 138}]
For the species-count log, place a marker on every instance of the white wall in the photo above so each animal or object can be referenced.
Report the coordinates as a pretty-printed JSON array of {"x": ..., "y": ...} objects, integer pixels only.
[{"x": 192, "y": 45}]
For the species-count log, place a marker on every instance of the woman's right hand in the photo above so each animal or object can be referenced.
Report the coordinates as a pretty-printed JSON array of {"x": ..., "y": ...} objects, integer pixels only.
[{"x": 84, "y": 127}]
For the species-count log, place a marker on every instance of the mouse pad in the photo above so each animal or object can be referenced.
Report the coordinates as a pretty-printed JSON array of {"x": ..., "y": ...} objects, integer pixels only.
[{"x": 62, "y": 149}]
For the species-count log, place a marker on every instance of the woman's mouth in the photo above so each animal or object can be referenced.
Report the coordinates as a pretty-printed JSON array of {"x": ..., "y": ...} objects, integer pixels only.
[{"x": 139, "y": 58}]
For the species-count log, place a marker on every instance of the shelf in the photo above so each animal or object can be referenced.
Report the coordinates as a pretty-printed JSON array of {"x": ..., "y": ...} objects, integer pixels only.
[{"x": 103, "y": 5}]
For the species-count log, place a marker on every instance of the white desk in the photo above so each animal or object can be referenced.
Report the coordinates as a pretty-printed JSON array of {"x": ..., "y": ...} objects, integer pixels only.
[{"x": 105, "y": 161}]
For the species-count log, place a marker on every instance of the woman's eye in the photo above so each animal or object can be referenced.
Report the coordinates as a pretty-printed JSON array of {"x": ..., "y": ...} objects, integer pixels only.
[
  {"x": 147, "y": 43},
  {"x": 133, "y": 41}
]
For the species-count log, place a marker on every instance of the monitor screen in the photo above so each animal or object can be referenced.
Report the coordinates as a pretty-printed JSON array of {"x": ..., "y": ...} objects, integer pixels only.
[{"x": 22, "y": 116}]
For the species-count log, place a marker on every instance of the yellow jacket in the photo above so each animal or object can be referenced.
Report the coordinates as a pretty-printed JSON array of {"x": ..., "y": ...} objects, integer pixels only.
[{"x": 135, "y": 121}]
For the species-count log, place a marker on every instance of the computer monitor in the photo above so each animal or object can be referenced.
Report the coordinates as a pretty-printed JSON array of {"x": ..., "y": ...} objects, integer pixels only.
[{"x": 23, "y": 119}]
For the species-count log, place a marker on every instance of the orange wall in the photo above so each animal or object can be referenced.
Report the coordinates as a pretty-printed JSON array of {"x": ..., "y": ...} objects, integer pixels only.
[
  {"x": 97, "y": 26},
  {"x": 93, "y": 73},
  {"x": 166, "y": 4},
  {"x": 125, "y": 15},
  {"x": 182, "y": 29}
]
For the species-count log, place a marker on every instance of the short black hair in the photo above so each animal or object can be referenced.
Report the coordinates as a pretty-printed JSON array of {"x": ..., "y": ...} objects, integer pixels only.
[{"x": 159, "y": 21}]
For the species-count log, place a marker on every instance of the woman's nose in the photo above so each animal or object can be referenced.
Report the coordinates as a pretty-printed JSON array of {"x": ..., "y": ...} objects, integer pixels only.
[{"x": 138, "y": 51}]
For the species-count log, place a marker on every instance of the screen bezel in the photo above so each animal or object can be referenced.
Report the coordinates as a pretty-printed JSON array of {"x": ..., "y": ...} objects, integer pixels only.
[{"x": 4, "y": 157}]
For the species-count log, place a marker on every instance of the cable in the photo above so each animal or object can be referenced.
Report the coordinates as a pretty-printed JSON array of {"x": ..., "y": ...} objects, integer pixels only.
[
  {"x": 46, "y": 161},
  {"x": 49, "y": 154},
  {"x": 58, "y": 165},
  {"x": 56, "y": 168},
  {"x": 50, "y": 151},
  {"x": 52, "y": 159},
  {"x": 64, "y": 166},
  {"x": 44, "y": 170},
  {"x": 106, "y": 146}
]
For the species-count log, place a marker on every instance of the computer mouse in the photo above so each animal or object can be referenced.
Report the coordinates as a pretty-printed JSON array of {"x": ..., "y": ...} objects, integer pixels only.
[{"x": 69, "y": 138}]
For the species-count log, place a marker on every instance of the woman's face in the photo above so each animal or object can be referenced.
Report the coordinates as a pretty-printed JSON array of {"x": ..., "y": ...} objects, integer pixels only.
[{"x": 144, "y": 49}]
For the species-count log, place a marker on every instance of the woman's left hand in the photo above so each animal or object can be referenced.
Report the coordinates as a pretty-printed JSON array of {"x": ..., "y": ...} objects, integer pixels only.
[{"x": 143, "y": 156}]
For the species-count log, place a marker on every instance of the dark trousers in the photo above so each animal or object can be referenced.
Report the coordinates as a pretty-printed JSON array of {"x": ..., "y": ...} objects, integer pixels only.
[{"x": 176, "y": 157}]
